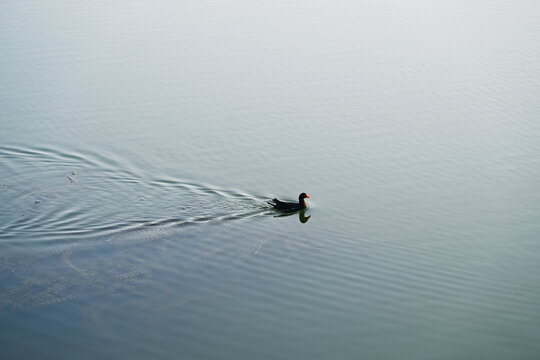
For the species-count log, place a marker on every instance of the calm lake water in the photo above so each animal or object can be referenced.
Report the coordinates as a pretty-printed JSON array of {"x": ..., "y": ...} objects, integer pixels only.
[{"x": 140, "y": 141}]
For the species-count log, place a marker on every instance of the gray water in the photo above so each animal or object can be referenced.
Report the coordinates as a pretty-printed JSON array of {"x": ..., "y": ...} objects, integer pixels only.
[{"x": 140, "y": 141}]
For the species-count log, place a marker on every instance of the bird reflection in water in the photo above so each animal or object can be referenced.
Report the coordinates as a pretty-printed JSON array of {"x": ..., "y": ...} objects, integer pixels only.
[{"x": 301, "y": 215}]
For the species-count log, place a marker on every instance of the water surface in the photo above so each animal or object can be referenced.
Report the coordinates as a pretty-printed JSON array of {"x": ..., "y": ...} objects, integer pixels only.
[{"x": 140, "y": 142}]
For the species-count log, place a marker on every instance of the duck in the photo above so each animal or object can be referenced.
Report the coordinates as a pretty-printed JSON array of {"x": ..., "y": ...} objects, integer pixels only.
[{"x": 290, "y": 206}]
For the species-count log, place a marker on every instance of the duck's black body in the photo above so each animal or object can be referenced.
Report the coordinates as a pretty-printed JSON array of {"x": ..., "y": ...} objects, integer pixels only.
[{"x": 290, "y": 206}]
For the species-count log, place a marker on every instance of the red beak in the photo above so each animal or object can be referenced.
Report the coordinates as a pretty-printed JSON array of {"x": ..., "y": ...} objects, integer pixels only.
[{"x": 308, "y": 196}]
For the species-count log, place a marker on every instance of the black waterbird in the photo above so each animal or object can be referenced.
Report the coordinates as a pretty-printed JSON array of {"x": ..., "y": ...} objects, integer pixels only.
[{"x": 290, "y": 206}]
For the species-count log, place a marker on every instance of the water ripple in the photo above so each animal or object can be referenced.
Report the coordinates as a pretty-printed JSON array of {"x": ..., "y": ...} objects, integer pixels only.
[{"x": 103, "y": 198}]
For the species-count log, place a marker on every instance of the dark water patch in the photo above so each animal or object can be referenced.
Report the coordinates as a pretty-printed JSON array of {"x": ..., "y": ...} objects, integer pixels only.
[{"x": 118, "y": 263}]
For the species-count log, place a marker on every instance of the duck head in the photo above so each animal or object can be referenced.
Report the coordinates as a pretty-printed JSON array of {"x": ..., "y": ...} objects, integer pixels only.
[{"x": 302, "y": 197}]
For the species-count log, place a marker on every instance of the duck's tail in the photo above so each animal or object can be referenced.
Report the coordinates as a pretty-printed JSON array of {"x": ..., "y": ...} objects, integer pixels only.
[{"x": 274, "y": 203}]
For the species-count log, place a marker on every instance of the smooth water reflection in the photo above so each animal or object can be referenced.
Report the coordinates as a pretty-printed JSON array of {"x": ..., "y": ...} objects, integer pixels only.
[{"x": 301, "y": 215}]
